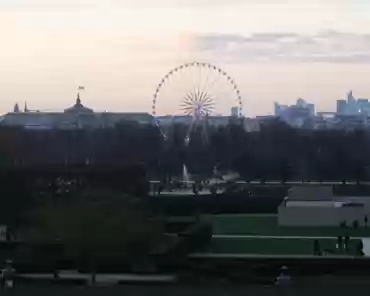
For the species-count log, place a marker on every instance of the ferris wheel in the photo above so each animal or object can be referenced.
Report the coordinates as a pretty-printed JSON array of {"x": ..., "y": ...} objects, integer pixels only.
[{"x": 194, "y": 94}]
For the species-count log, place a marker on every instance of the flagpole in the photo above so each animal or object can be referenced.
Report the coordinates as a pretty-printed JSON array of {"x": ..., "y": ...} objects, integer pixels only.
[{"x": 79, "y": 89}]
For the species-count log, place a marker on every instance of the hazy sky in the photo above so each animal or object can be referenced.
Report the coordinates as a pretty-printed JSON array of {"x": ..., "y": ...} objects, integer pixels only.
[{"x": 120, "y": 49}]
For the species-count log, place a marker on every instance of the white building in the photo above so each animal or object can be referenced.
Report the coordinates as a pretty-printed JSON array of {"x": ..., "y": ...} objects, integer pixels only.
[{"x": 318, "y": 206}]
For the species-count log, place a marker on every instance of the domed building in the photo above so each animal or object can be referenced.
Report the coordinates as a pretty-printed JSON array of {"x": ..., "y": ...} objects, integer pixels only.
[
  {"x": 77, "y": 116},
  {"x": 78, "y": 107}
]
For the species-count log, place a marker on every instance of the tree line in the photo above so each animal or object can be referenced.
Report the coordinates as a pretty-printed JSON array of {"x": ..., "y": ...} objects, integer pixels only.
[{"x": 276, "y": 152}]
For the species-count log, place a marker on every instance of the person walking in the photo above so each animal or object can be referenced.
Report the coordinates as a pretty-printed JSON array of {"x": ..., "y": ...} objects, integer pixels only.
[
  {"x": 7, "y": 275},
  {"x": 283, "y": 278},
  {"x": 346, "y": 243},
  {"x": 283, "y": 282},
  {"x": 339, "y": 242},
  {"x": 365, "y": 220},
  {"x": 316, "y": 248}
]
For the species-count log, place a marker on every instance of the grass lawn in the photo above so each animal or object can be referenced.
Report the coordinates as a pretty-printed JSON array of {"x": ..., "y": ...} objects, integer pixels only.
[
  {"x": 268, "y": 225},
  {"x": 274, "y": 246}
]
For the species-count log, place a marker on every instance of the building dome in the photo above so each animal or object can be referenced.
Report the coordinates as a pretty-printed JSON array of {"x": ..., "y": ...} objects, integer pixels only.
[{"x": 78, "y": 107}]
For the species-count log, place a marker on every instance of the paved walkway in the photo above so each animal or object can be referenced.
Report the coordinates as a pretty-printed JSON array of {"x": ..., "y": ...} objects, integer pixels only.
[
  {"x": 365, "y": 242},
  {"x": 267, "y": 256},
  {"x": 241, "y": 236},
  {"x": 103, "y": 278}
]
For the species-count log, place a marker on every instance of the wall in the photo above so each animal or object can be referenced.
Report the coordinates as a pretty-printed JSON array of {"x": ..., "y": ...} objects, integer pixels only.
[{"x": 320, "y": 216}]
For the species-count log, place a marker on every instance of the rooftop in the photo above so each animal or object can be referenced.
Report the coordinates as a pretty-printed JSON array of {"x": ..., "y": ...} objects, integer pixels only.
[
  {"x": 311, "y": 193},
  {"x": 78, "y": 107}
]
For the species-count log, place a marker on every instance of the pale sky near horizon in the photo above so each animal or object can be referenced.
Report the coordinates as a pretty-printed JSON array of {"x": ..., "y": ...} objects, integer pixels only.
[{"x": 120, "y": 49}]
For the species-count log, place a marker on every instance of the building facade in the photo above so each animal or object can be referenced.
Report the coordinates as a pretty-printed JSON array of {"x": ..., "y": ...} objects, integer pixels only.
[
  {"x": 298, "y": 115},
  {"x": 353, "y": 106},
  {"x": 318, "y": 206},
  {"x": 75, "y": 117}
]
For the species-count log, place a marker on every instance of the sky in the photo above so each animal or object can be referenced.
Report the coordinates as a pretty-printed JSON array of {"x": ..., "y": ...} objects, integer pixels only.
[{"x": 119, "y": 50}]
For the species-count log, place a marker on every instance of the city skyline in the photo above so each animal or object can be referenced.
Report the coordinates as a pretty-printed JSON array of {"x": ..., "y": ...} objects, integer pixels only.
[
  {"x": 21, "y": 108},
  {"x": 120, "y": 50}
]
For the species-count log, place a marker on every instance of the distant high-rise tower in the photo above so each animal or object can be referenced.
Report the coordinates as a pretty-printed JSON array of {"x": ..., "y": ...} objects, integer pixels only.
[
  {"x": 311, "y": 108},
  {"x": 16, "y": 108},
  {"x": 352, "y": 108},
  {"x": 341, "y": 107},
  {"x": 234, "y": 111},
  {"x": 301, "y": 103},
  {"x": 277, "y": 109},
  {"x": 350, "y": 96}
]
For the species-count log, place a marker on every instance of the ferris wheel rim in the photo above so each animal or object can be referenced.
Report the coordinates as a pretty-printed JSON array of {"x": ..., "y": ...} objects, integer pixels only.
[
  {"x": 199, "y": 64},
  {"x": 173, "y": 71}
]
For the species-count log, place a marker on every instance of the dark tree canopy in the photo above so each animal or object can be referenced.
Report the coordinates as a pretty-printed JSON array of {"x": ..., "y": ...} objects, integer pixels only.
[{"x": 276, "y": 152}]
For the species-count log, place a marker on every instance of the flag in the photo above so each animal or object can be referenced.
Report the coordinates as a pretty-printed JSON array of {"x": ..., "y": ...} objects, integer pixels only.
[{"x": 81, "y": 88}]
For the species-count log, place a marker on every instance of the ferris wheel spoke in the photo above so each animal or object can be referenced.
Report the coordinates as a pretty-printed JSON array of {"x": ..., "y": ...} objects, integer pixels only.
[
  {"x": 187, "y": 109},
  {"x": 212, "y": 84},
  {"x": 186, "y": 81},
  {"x": 190, "y": 108},
  {"x": 195, "y": 95},
  {"x": 207, "y": 100},
  {"x": 204, "y": 96},
  {"x": 207, "y": 76},
  {"x": 208, "y": 109},
  {"x": 189, "y": 98},
  {"x": 211, "y": 102},
  {"x": 208, "y": 106},
  {"x": 210, "y": 98},
  {"x": 186, "y": 105},
  {"x": 199, "y": 80},
  {"x": 199, "y": 75},
  {"x": 195, "y": 78},
  {"x": 189, "y": 79},
  {"x": 200, "y": 98}
]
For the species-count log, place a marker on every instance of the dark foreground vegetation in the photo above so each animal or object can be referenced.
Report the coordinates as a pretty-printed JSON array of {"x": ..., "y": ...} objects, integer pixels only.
[
  {"x": 79, "y": 199},
  {"x": 277, "y": 152}
]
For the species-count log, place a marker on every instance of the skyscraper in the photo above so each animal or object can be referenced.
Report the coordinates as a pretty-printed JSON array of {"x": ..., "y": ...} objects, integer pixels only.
[
  {"x": 352, "y": 108},
  {"x": 234, "y": 112},
  {"x": 295, "y": 115},
  {"x": 341, "y": 107}
]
